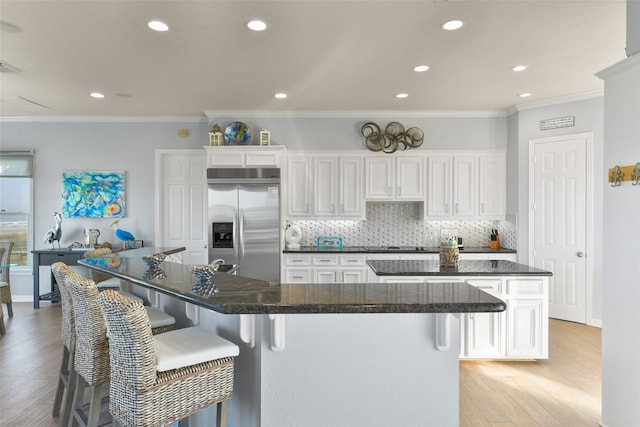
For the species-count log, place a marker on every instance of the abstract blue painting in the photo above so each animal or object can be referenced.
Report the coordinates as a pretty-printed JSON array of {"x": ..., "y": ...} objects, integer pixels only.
[{"x": 93, "y": 194}]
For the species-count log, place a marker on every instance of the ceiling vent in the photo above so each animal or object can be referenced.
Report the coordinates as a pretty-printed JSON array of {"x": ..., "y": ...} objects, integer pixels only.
[
  {"x": 8, "y": 68},
  {"x": 25, "y": 104}
]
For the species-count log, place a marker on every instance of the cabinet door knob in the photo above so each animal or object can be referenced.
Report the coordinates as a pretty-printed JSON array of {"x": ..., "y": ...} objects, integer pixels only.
[{"x": 580, "y": 254}]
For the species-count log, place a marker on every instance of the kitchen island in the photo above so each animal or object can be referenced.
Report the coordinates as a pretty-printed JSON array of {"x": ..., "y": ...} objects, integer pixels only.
[
  {"x": 520, "y": 332},
  {"x": 361, "y": 354}
]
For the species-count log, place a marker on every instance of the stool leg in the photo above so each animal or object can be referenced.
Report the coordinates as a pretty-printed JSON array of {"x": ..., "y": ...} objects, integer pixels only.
[
  {"x": 63, "y": 381},
  {"x": 222, "y": 414},
  {"x": 10, "y": 309},
  {"x": 93, "y": 417},
  {"x": 71, "y": 388},
  {"x": 78, "y": 397}
]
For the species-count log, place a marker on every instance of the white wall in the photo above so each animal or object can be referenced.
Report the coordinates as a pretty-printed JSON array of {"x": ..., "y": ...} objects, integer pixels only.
[
  {"x": 129, "y": 145},
  {"x": 588, "y": 115},
  {"x": 621, "y": 254}
]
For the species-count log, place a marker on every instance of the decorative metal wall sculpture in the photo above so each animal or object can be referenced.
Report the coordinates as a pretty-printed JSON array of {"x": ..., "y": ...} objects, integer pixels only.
[{"x": 394, "y": 138}]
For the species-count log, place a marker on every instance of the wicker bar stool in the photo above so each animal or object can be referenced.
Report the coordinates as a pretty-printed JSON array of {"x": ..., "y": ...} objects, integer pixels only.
[
  {"x": 5, "y": 276},
  {"x": 158, "y": 380},
  {"x": 91, "y": 358},
  {"x": 66, "y": 387}
]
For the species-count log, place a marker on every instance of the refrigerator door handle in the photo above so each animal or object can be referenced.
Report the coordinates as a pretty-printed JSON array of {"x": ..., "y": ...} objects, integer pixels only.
[
  {"x": 235, "y": 236},
  {"x": 240, "y": 240}
]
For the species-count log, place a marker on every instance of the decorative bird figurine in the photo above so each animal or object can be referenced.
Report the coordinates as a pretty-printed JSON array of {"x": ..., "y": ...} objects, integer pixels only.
[
  {"x": 121, "y": 234},
  {"x": 55, "y": 233}
]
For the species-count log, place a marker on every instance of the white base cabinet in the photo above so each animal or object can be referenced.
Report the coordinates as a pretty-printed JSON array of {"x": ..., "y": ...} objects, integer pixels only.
[
  {"x": 519, "y": 332},
  {"x": 324, "y": 268}
]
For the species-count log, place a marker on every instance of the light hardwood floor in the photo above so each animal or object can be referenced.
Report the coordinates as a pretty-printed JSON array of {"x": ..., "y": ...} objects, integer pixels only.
[{"x": 562, "y": 391}]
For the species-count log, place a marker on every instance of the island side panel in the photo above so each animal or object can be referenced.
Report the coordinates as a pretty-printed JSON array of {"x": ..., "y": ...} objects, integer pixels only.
[
  {"x": 245, "y": 404},
  {"x": 360, "y": 370}
]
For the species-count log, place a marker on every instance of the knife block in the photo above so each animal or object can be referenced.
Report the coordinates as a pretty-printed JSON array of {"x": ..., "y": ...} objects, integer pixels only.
[{"x": 495, "y": 244}]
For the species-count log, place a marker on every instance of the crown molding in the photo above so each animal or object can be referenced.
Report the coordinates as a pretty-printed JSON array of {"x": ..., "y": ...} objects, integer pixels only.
[
  {"x": 102, "y": 119},
  {"x": 339, "y": 114},
  {"x": 555, "y": 101},
  {"x": 619, "y": 67}
]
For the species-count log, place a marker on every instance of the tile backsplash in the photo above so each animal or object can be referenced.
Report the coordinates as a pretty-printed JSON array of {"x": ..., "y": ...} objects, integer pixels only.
[{"x": 397, "y": 224}]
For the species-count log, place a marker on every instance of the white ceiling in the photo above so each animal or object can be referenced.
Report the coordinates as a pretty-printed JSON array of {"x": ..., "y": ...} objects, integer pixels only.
[{"x": 326, "y": 55}]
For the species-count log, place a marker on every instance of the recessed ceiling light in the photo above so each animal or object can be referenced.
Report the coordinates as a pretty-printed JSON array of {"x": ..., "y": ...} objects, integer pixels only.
[
  {"x": 402, "y": 95},
  {"x": 452, "y": 25},
  {"x": 256, "y": 25},
  {"x": 518, "y": 68},
  {"x": 280, "y": 95},
  {"x": 158, "y": 26},
  {"x": 96, "y": 95},
  {"x": 420, "y": 68},
  {"x": 525, "y": 94}
]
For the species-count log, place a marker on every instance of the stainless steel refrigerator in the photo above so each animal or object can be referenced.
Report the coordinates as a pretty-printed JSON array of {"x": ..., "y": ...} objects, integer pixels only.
[{"x": 244, "y": 220}]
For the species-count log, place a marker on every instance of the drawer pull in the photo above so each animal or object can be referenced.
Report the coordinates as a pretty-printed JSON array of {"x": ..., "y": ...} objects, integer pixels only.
[
  {"x": 485, "y": 287},
  {"x": 297, "y": 277}
]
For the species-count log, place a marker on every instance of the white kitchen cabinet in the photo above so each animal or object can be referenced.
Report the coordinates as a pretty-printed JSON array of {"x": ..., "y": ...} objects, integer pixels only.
[
  {"x": 299, "y": 186},
  {"x": 492, "y": 186},
  {"x": 483, "y": 334},
  {"x": 325, "y": 268},
  {"x": 244, "y": 156},
  {"x": 325, "y": 186},
  {"x": 452, "y": 186},
  {"x": 337, "y": 187},
  {"x": 351, "y": 188},
  {"x": 519, "y": 332},
  {"x": 488, "y": 256},
  {"x": 394, "y": 178},
  {"x": 465, "y": 186},
  {"x": 379, "y": 181}
]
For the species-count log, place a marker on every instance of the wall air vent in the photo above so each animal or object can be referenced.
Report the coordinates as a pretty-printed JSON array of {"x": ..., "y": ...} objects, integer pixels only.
[{"x": 8, "y": 68}]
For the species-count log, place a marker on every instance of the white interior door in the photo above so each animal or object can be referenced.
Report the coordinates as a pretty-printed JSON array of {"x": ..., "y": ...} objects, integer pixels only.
[
  {"x": 181, "y": 200},
  {"x": 560, "y": 208}
]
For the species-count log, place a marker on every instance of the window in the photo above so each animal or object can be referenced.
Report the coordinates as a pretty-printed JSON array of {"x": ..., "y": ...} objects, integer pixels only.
[{"x": 16, "y": 176}]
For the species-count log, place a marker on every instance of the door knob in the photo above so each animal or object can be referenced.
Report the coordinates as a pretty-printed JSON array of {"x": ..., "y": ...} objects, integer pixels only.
[{"x": 580, "y": 254}]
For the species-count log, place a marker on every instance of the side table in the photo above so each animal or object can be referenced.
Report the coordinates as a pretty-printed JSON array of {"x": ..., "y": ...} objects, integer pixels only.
[{"x": 49, "y": 257}]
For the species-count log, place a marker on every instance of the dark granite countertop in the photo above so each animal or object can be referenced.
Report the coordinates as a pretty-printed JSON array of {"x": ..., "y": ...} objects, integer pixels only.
[
  {"x": 232, "y": 294},
  {"x": 465, "y": 268},
  {"x": 395, "y": 249}
]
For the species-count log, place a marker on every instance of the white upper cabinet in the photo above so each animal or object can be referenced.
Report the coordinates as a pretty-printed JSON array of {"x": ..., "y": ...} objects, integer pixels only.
[
  {"x": 379, "y": 180},
  {"x": 236, "y": 156},
  {"x": 299, "y": 185},
  {"x": 453, "y": 186},
  {"x": 351, "y": 188},
  {"x": 394, "y": 178},
  {"x": 410, "y": 178},
  {"x": 325, "y": 186},
  {"x": 493, "y": 186},
  {"x": 465, "y": 186},
  {"x": 439, "y": 186}
]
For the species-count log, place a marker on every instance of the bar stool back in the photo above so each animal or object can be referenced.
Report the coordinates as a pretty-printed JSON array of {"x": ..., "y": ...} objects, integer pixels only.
[
  {"x": 158, "y": 380},
  {"x": 65, "y": 385},
  {"x": 91, "y": 359}
]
